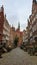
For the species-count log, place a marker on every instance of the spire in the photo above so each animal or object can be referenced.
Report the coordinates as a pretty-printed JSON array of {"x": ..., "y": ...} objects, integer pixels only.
[{"x": 19, "y": 25}]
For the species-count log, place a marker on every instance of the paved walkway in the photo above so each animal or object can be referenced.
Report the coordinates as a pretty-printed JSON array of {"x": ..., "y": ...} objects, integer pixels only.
[{"x": 18, "y": 57}]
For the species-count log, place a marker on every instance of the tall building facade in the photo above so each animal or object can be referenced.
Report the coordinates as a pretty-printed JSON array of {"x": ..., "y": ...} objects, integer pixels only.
[
  {"x": 6, "y": 31},
  {"x": 31, "y": 36},
  {"x": 1, "y": 22},
  {"x": 32, "y": 23},
  {"x": 32, "y": 29},
  {"x": 34, "y": 20},
  {"x": 4, "y": 28},
  {"x": 12, "y": 36}
]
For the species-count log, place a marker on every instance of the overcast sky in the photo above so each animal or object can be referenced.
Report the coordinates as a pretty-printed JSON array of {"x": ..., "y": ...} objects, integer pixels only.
[{"x": 17, "y": 11}]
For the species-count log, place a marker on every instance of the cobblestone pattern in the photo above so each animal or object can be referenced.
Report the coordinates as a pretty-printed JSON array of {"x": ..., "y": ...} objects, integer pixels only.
[{"x": 18, "y": 57}]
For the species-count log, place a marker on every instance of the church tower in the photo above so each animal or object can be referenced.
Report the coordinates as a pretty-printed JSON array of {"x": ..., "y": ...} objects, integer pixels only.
[{"x": 19, "y": 25}]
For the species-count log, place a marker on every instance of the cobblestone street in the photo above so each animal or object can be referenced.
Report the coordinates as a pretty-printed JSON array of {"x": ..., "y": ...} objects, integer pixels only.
[{"x": 18, "y": 57}]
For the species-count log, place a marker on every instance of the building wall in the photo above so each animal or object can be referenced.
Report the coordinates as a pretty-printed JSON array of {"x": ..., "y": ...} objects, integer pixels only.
[
  {"x": 12, "y": 36},
  {"x": 6, "y": 31},
  {"x": 33, "y": 23},
  {"x": 19, "y": 34},
  {"x": 20, "y": 39},
  {"x": 4, "y": 27},
  {"x": 25, "y": 36},
  {"x": 1, "y": 22}
]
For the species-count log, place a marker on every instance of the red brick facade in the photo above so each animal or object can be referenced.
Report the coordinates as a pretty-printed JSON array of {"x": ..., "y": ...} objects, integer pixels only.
[
  {"x": 20, "y": 36},
  {"x": 1, "y": 22}
]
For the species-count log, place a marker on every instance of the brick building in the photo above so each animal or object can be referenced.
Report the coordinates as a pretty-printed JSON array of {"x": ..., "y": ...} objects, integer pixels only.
[
  {"x": 12, "y": 36},
  {"x": 6, "y": 32},
  {"x": 32, "y": 23},
  {"x": 4, "y": 28},
  {"x": 24, "y": 33},
  {"x": 34, "y": 20},
  {"x": 1, "y": 22},
  {"x": 19, "y": 34},
  {"x": 31, "y": 35},
  {"x": 32, "y": 29}
]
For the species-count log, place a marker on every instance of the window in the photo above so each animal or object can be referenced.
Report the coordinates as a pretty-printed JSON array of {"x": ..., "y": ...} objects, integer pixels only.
[
  {"x": 30, "y": 34},
  {"x": 34, "y": 27},
  {"x": 36, "y": 15}
]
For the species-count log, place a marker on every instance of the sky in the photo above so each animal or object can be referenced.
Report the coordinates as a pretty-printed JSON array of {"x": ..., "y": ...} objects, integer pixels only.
[{"x": 17, "y": 11}]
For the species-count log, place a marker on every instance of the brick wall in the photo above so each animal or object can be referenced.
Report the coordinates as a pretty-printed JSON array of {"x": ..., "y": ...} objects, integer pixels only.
[{"x": 1, "y": 22}]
